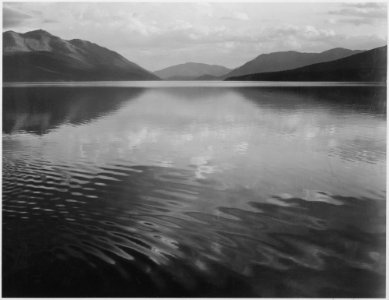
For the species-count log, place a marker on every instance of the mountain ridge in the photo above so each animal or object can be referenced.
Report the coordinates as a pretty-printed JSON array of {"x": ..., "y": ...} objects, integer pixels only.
[
  {"x": 369, "y": 66},
  {"x": 38, "y": 55},
  {"x": 41, "y": 56},
  {"x": 287, "y": 60}
]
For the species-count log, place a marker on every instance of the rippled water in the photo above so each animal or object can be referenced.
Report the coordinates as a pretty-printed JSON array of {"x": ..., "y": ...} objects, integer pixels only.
[{"x": 194, "y": 191}]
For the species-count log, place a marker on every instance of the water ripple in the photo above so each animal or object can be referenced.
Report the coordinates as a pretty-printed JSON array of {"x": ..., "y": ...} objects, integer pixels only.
[{"x": 243, "y": 192}]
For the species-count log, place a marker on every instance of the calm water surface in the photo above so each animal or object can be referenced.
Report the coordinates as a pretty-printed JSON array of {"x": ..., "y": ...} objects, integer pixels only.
[{"x": 219, "y": 190}]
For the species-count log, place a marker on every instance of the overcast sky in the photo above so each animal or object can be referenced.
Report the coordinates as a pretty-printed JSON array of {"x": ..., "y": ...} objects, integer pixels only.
[{"x": 157, "y": 35}]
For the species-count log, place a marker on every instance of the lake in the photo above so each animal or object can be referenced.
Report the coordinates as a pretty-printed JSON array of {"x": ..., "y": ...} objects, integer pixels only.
[{"x": 194, "y": 190}]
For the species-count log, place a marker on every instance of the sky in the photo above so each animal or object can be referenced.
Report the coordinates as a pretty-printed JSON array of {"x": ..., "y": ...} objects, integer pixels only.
[{"x": 157, "y": 35}]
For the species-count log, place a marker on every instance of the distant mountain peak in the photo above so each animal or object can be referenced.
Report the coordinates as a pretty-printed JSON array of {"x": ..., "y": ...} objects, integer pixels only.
[
  {"x": 195, "y": 63},
  {"x": 38, "y": 32},
  {"x": 191, "y": 71},
  {"x": 337, "y": 49},
  {"x": 9, "y": 32}
]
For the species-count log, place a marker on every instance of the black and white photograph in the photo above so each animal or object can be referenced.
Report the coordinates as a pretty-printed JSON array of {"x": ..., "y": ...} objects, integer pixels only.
[{"x": 194, "y": 149}]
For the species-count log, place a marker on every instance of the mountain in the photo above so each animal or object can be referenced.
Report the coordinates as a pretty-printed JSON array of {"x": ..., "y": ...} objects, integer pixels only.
[
  {"x": 40, "y": 56},
  {"x": 367, "y": 66},
  {"x": 281, "y": 61},
  {"x": 207, "y": 78},
  {"x": 190, "y": 71}
]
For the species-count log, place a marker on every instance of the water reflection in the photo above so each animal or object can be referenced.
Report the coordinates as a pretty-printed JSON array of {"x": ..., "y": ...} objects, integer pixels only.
[
  {"x": 238, "y": 192},
  {"x": 38, "y": 111},
  {"x": 359, "y": 99}
]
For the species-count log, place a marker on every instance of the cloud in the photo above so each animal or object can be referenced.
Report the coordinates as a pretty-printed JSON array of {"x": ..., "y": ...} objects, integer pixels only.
[
  {"x": 12, "y": 17},
  {"x": 48, "y": 21},
  {"x": 361, "y": 13},
  {"x": 368, "y": 5},
  {"x": 204, "y": 9},
  {"x": 357, "y": 21},
  {"x": 293, "y": 37},
  {"x": 236, "y": 16},
  {"x": 182, "y": 35},
  {"x": 307, "y": 38}
]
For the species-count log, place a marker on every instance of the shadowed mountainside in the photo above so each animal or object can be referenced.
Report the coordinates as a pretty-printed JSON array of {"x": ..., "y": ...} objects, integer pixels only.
[
  {"x": 191, "y": 71},
  {"x": 286, "y": 60},
  {"x": 40, "y": 56},
  {"x": 367, "y": 66}
]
